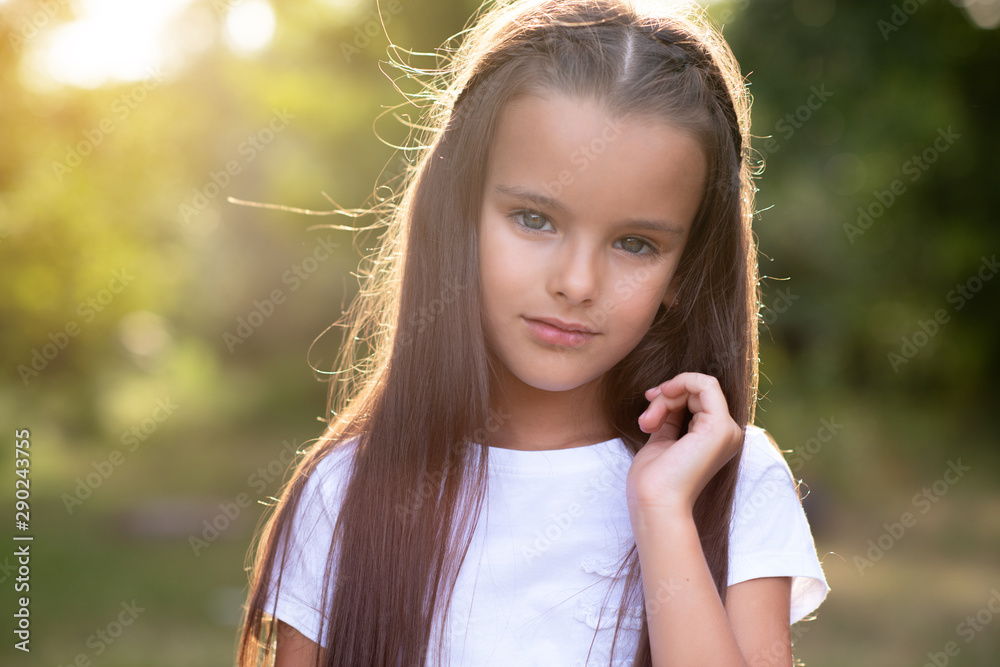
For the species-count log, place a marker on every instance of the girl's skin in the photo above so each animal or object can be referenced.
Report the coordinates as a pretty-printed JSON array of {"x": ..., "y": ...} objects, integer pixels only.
[{"x": 592, "y": 240}]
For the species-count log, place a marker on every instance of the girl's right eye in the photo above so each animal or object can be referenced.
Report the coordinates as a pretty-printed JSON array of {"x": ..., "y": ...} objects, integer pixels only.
[{"x": 532, "y": 220}]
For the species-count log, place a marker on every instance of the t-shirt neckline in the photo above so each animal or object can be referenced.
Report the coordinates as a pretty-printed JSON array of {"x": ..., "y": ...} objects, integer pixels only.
[{"x": 565, "y": 459}]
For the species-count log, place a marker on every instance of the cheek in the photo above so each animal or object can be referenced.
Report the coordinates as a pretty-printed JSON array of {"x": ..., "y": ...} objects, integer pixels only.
[
  {"x": 641, "y": 288},
  {"x": 637, "y": 301},
  {"x": 494, "y": 269},
  {"x": 487, "y": 253},
  {"x": 506, "y": 263}
]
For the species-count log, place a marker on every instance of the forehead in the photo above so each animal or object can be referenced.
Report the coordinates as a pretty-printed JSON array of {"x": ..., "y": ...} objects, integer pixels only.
[{"x": 572, "y": 150}]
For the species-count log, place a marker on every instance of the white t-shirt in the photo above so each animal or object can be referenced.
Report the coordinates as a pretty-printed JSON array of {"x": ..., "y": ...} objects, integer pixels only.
[{"x": 553, "y": 529}]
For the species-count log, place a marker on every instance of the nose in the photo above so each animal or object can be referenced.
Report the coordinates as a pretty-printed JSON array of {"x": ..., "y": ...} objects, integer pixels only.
[{"x": 575, "y": 273}]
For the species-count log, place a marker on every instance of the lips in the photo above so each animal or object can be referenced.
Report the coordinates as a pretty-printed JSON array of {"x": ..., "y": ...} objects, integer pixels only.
[
  {"x": 565, "y": 326},
  {"x": 557, "y": 332}
]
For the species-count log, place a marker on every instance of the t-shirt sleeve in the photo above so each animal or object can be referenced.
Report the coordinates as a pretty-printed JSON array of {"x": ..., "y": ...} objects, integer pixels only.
[
  {"x": 299, "y": 599},
  {"x": 769, "y": 531}
]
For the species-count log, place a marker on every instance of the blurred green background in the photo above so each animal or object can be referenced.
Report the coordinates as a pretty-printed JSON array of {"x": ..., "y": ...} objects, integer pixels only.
[{"x": 157, "y": 338}]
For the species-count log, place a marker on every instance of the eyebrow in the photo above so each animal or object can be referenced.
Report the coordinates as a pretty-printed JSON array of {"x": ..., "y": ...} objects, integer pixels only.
[{"x": 662, "y": 226}]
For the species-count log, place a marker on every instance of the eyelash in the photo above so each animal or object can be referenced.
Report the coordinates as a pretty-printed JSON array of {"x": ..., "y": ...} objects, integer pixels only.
[{"x": 523, "y": 212}]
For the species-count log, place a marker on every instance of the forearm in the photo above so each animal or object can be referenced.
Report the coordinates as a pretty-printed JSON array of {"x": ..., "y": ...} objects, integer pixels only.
[{"x": 688, "y": 624}]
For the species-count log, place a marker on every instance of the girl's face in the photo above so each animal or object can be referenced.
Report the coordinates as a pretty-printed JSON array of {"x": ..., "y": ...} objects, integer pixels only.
[{"x": 583, "y": 222}]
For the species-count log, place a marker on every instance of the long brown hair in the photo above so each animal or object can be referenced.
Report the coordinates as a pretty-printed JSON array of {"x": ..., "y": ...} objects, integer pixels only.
[{"x": 413, "y": 389}]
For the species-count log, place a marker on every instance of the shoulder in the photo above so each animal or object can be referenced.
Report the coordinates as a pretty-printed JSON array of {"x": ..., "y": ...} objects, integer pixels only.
[
  {"x": 770, "y": 534},
  {"x": 326, "y": 480},
  {"x": 764, "y": 484},
  {"x": 306, "y": 535},
  {"x": 760, "y": 450},
  {"x": 336, "y": 463},
  {"x": 762, "y": 461}
]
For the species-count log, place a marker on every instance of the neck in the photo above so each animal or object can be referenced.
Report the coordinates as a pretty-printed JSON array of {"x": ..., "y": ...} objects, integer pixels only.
[{"x": 533, "y": 419}]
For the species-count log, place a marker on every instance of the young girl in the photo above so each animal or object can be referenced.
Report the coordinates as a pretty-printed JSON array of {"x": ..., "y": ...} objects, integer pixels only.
[{"x": 540, "y": 454}]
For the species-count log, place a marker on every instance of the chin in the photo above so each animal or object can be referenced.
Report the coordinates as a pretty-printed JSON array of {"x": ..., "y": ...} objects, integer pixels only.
[
  {"x": 554, "y": 382},
  {"x": 552, "y": 386}
]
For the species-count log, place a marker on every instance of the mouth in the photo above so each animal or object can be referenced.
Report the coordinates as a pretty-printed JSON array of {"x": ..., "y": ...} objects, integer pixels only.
[{"x": 556, "y": 332}]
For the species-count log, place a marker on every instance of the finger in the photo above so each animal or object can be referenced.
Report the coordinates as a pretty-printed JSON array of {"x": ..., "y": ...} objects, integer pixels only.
[
  {"x": 695, "y": 392},
  {"x": 667, "y": 423},
  {"x": 672, "y": 400},
  {"x": 661, "y": 409},
  {"x": 701, "y": 393}
]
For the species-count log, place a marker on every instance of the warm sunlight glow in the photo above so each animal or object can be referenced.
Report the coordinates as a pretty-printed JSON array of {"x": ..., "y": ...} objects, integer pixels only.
[
  {"x": 249, "y": 26},
  {"x": 111, "y": 40},
  {"x": 346, "y": 6}
]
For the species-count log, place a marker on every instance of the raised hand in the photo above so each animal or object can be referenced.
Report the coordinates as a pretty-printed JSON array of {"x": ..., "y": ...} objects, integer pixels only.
[{"x": 670, "y": 470}]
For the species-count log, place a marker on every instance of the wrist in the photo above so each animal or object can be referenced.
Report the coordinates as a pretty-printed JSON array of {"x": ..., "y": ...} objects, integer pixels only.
[{"x": 647, "y": 517}]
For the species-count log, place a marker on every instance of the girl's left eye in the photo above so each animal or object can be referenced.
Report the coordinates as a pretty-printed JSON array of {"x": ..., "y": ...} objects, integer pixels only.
[{"x": 635, "y": 245}]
